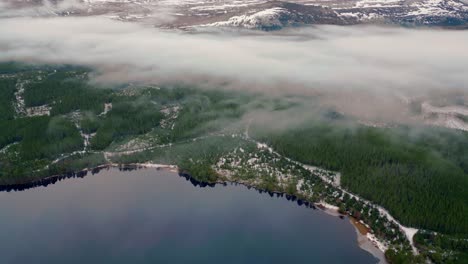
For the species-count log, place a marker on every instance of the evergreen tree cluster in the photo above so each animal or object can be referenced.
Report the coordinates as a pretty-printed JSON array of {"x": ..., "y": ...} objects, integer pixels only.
[{"x": 420, "y": 180}]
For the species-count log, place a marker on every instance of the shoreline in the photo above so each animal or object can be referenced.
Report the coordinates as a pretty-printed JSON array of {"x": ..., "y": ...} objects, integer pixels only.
[
  {"x": 366, "y": 244},
  {"x": 52, "y": 179},
  {"x": 364, "y": 241}
]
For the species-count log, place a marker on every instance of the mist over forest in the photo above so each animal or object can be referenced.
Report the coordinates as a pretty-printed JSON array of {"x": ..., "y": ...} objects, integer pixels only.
[
  {"x": 365, "y": 115},
  {"x": 384, "y": 67}
]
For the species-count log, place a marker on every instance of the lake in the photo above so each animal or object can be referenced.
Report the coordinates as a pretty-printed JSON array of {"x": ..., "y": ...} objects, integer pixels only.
[{"x": 156, "y": 216}]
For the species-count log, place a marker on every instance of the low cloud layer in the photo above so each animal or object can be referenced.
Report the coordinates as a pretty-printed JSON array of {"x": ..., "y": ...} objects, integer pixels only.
[{"x": 324, "y": 59}]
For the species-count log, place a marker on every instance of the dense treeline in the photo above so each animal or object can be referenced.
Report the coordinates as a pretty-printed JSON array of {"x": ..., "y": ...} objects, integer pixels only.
[
  {"x": 125, "y": 119},
  {"x": 449, "y": 144},
  {"x": 13, "y": 67},
  {"x": 422, "y": 183},
  {"x": 419, "y": 175},
  {"x": 134, "y": 111},
  {"x": 7, "y": 95},
  {"x": 193, "y": 157},
  {"x": 403, "y": 257},
  {"x": 63, "y": 90},
  {"x": 33, "y": 143},
  {"x": 205, "y": 112},
  {"x": 30, "y": 144},
  {"x": 441, "y": 248},
  {"x": 40, "y": 137},
  {"x": 198, "y": 107},
  {"x": 198, "y": 113},
  {"x": 76, "y": 163}
]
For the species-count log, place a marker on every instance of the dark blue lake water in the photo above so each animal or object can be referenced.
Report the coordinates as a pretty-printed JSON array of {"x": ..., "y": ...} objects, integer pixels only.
[{"x": 150, "y": 216}]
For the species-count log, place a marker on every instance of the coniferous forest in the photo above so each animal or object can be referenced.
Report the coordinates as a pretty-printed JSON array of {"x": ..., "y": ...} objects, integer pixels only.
[
  {"x": 422, "y": 180},
  {"x": 54, "y": 121}
]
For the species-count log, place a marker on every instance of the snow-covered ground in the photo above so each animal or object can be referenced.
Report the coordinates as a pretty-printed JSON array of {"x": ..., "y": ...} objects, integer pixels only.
[
  {"x": 253, "y": 14},
  {"x": 20, "y": 105},
  {"x": 446, "y": 116},
  {"x": 107, "y": 108},
  {"x": 382, "y": 245},
  {"x": 409, "y": 232},
  {"x": 155, "y": 165},
  {"x": 330, "y": 177},
  {"x": 5, "y": 149},
  {"x": 170, "y": 115},
  {"x": 325, "y": 175},
  {"x": 454, "y": 109},
  {"x": 449, "y": 121},
  {"x": 437, "y": 7},
  {"x": 366, "y": 243},
  {"x": 377, "y": 3},
  {"x": 265, "y": 18}
]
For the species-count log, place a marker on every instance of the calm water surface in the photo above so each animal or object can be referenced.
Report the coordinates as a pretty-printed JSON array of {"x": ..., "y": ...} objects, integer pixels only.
[{"x": 150, "y": 216}]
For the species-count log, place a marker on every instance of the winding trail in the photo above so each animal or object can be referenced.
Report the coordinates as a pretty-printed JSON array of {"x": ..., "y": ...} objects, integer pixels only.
[{"x": 408, "y": 231}]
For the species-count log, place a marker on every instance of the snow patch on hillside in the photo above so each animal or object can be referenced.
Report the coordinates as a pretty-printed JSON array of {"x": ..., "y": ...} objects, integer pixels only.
[
  {"x": 378, "y": 3},
  {"x": 20, "y": 105},
  {"x": 265, "y": 18},
  {"x": 449, "y": 121},
  {"x": 446, "y": 116},
  {"x": 453, "y": 109},
  {"x": 438, "y": 8}
]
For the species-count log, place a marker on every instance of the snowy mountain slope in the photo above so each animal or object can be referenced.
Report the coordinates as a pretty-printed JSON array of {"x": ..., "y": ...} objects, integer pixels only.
[
  {"x": 275, "y": 15},
  {"x": 256, "y": 14}
]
